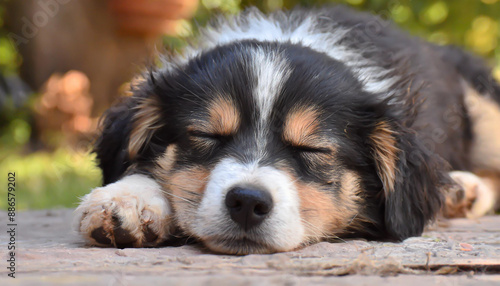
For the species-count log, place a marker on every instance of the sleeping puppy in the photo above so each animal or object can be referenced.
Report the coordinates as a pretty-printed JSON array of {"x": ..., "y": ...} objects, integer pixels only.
[{"x": 274, "y": 132}]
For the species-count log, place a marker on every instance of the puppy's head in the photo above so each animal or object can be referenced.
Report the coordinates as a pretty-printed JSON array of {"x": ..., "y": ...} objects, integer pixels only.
[{"x": 266, "y": 147}]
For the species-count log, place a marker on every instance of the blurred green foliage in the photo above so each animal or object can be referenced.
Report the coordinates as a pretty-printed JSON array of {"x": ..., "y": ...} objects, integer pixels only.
[
  {"x": 47, "y": 180},
  {"x": 51, "y": 179},
  {"x": 9, "y": 58}
]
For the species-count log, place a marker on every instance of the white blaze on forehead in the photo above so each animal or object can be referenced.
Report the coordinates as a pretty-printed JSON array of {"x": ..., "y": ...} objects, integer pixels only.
[
  {"x": 282, "y": 229},
  {"x": 303, "y": 30},
  {"x": 271, "y": 71}
]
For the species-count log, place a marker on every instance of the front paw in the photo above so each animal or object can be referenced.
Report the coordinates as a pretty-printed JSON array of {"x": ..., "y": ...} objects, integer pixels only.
[
  {"x": 129, "y": 213},
  {"x": 474, "y": 198}
]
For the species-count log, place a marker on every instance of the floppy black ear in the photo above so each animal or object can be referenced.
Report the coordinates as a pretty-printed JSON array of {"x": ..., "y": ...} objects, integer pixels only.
[
  {"x": 126, "y": 131},
  {"x": 413, "y": 179},
  {"x": 111, "y": 145}
]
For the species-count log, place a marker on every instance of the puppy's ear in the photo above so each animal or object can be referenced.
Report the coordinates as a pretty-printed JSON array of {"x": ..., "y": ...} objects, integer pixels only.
[
  {"x": 111, "y": 145},
  {"x": 412, "y": 179},
  {"x": 146, "y": 120},
  {"x": 126, "y": 131}
]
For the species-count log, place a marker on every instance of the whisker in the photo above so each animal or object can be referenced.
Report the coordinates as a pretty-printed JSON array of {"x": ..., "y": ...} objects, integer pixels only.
[
  {"x": 352, "y": 219},
  {"x": 179, "y": 197}
]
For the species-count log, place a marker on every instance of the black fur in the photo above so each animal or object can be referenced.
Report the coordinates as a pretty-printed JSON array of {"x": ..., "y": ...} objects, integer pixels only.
[
  {"x": 111, "y": 146},
  {"x": 417, "y": 194},
  {"x": 430, "y": 144}
]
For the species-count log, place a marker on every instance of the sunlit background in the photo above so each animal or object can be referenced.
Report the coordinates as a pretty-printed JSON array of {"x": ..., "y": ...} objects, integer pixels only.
[{"x": 50, "y": 152}]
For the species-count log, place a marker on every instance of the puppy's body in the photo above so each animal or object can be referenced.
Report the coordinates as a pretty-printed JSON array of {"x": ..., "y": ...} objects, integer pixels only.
[{"x": 282, "y": 130}]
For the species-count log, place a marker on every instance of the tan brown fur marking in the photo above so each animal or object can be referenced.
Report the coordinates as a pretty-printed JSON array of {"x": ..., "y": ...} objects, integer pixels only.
[
  {"x": 301, "y": 126},
  {"x": 485, "y": 116},
  {"x": 167, "y": 160},
  {"x": 301, "y": 130},
  {"x": 189, "y": 183},
  {"x": 351, "y": 198},
  {"x": 385, "y": 152},
  {"x": 135, "y": 83},
  {"x": 186, "y": 183},
  {"x": 322, "y": 214},
  {"x": 492, "y": 179},
  {"x": 146, "y": 120},
  {"x": 223, "y": 118},
  {"x": 184, "y": 189}
]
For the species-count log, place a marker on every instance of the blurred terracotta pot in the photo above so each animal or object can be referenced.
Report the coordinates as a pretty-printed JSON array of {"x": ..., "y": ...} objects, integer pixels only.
[{"x": 151, "y": 18}]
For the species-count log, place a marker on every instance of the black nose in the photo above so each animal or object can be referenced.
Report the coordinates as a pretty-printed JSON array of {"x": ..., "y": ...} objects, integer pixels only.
[{"x": 248, "y": 207}]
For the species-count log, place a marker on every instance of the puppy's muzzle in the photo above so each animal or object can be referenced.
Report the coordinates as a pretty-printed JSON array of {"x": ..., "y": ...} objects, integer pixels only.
[{"x": 248, "y": 207}]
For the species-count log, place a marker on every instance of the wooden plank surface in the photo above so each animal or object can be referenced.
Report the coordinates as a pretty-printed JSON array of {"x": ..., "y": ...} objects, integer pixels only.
[{"x": 48, "y": 248}]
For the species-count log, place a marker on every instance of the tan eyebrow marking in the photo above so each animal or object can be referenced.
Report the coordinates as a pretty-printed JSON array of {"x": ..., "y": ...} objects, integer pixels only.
[
  {"x": 223, "y": 118},
  {"x": 301, "y": 128}
]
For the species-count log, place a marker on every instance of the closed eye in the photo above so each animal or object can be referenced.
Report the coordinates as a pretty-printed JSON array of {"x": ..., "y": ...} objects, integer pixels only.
[{"x": 311, "y": 149}]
